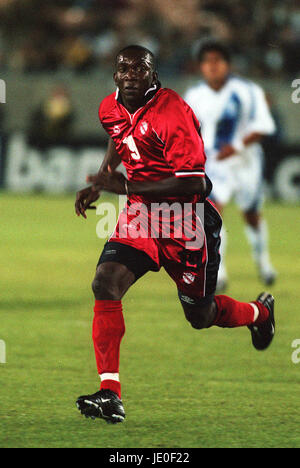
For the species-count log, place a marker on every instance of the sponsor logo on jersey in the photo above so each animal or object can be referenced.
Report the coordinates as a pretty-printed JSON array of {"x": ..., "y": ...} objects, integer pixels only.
[
  {"x": 110, "y": 252},
  {"x": 188, "y": 278},
  {"x": 117, "y": 130},
  {"x": 144, "y": 128},
  {"x": 187, "y": 299}
]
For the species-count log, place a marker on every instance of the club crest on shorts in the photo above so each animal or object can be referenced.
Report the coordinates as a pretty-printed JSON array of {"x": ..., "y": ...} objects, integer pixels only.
[
  {"x": 144, "y": 128},
  {"x": 188, "y": 278}
]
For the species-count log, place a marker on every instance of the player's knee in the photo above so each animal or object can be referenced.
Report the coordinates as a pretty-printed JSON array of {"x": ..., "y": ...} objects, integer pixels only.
[
  {"x": 252, "y": 218},
  {"x": 199, "y": 321},
  {"x": 105, "y": 285},
  {"x": 200, "y": 318}
]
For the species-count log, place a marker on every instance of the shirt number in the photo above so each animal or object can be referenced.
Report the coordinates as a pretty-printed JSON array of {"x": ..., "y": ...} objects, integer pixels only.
[{"x": 129, "y": 141}]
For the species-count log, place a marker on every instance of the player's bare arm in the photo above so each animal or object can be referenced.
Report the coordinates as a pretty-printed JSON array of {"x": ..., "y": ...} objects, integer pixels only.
[
  {"x": 172, "y": 186},
  {"x": 254, "y": 137},
  {"x": 226, "y": 151},
  {"x": 112, "y": 158},
  {"x": 230, "y": 150},
  {"x": 116, "y": 182},
  {"x": 87, "y": 196}
]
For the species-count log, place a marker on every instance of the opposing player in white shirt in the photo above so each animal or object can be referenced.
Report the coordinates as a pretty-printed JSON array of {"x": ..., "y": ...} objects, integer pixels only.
[{"x": 234, "y": 118}]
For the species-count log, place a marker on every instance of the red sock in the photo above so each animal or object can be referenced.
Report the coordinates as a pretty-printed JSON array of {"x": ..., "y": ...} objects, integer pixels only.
[
  {"x": 263, "y": 313},
  {"x": 108, "y": 331},
  {"x": 232, "y": 313}
]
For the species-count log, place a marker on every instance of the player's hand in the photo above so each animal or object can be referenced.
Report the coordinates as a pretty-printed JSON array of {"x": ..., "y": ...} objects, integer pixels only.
[
  {"x": 226, "y": 152},
  {"x": 84, "y": 199},
  {"x": 110, "y": 181}
]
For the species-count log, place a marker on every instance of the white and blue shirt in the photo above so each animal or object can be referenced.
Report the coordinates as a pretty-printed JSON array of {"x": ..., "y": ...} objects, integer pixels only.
[{"x": 227, "y": 116}]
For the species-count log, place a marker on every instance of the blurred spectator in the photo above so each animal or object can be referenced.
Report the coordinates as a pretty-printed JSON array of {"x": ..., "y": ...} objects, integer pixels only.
[
  {"x": 52, "y": 120},
  {"x": 79, "y": 34}
]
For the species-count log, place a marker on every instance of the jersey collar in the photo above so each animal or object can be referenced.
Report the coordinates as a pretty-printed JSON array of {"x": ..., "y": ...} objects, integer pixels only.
[{"x": 149, "y": 94}]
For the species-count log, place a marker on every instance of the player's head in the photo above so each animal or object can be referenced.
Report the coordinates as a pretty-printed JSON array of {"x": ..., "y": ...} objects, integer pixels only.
[
  {"x": 214, "y": 61},
  {"x": 135, "y": 71}
]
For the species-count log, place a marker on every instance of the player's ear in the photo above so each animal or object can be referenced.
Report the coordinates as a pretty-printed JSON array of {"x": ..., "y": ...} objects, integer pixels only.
[{"x": 155, "y": 77}]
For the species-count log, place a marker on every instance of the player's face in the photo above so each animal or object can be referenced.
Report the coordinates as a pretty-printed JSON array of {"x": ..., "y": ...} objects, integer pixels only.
[
  {"x": 134, "y": 74},
  {"x": 214, "y": 67}
]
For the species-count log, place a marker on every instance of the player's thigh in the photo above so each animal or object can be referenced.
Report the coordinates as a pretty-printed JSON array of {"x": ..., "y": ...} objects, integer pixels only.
[
  {"x": 112, "y": 280},
  {"x": 250, "y": 191},
  {"x": 223, "y": 184},
  {"x": 253, "y": 216},
  {"x": 120, "y": 265}
]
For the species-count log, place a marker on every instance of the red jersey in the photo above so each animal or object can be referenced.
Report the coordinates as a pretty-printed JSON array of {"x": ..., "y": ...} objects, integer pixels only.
[{"x": 160, "y": 140}]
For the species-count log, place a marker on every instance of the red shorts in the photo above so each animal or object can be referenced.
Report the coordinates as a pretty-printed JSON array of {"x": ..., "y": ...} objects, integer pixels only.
[{"x": 189, "y": 253}]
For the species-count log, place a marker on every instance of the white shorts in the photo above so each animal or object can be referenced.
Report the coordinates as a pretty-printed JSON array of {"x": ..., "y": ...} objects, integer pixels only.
[{"x": 239, "y": 177}]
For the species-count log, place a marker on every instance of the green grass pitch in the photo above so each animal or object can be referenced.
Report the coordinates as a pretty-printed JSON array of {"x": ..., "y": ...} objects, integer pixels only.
[{"x": 182, "y": 388}]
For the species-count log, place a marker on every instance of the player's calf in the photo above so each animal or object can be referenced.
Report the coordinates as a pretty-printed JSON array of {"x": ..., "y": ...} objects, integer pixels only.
[{"x": 110, "y": 284}]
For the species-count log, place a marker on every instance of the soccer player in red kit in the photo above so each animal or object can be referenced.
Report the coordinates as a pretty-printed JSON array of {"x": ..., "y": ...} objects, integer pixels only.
[{"x": 156, "y": 136}]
